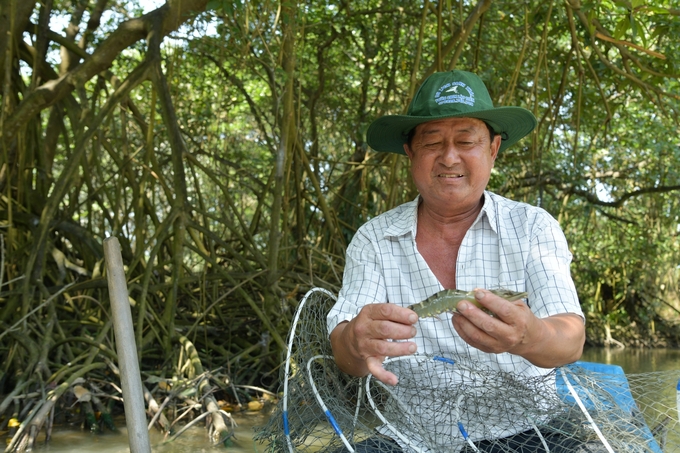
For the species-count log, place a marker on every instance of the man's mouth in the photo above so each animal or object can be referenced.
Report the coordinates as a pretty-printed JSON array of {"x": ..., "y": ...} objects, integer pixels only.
[{"x": 449, "y": 176}]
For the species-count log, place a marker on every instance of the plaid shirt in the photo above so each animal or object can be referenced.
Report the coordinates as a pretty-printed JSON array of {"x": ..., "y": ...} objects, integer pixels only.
[{"x": 510, "y": 245}]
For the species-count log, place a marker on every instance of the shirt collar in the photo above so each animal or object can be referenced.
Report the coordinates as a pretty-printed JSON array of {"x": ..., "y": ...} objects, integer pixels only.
[
  {"x": 489, "y": 208},
  {"x": 407, "y": 221}
]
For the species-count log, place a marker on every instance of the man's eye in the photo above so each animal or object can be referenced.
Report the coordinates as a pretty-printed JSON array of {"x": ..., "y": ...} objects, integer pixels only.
[{"x": 431, "y": 144}]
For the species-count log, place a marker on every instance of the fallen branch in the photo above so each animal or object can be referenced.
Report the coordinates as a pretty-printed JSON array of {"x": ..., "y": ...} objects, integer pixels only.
[
  {"x": 219, "y": 428},
  {"x": 27, "y": 432}
]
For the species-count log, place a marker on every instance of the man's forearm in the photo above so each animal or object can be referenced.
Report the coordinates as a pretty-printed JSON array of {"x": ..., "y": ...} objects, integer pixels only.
[{"x": 559, "y": 342}]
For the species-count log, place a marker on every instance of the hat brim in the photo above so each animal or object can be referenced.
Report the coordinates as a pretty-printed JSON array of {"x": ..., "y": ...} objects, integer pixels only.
[{"x": 389, "y": 133}]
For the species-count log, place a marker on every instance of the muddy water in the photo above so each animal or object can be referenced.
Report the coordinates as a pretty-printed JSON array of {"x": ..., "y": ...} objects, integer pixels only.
[
  {"x": 196, "y": 440},
  {"x": 636, "y": 360}
]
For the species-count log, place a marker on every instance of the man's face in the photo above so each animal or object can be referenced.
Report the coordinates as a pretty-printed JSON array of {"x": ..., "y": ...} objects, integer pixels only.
[{"x": 451, "y": 161}]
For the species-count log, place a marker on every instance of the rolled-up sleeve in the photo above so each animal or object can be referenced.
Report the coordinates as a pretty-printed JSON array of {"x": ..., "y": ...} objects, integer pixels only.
[
  {"x": 363, "y": 281},
  {"x": 548, "y": 272}
]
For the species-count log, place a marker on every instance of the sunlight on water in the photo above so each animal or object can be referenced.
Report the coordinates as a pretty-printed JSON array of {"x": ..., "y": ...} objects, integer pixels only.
[{"x": 194, "y": 440}]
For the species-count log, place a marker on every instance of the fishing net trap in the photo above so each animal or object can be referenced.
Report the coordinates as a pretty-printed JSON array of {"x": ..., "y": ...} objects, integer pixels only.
[{"x": 453, "y": 404}]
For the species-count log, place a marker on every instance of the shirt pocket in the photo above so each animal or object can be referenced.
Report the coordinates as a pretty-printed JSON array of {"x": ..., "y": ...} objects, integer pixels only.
[{"x": 518, "y": 285}]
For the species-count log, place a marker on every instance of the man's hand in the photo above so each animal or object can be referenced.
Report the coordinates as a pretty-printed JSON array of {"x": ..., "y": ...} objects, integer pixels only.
[
  {"x": 549, "y": 342},
  {"x": 361, "y": 345}
]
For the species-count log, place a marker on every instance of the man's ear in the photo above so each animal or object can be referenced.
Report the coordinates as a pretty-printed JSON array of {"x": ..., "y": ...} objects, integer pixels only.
[
  {"x": 408, "y": 151},
  {"x": 495, "y": 146}
]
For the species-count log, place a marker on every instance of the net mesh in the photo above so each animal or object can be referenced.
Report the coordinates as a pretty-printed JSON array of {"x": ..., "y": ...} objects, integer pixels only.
[{"x": 449, "y": 404}]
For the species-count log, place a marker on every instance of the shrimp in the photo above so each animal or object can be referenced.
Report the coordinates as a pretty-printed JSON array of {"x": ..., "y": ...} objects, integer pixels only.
[{"x": 448, "y": 299}]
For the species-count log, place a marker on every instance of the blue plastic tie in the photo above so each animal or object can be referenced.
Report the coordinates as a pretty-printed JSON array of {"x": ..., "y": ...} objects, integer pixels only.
[
  {"x": 445, "y": 360},
  {"x": 462, "y": 431},
  {"x": 330, "y": 418}
]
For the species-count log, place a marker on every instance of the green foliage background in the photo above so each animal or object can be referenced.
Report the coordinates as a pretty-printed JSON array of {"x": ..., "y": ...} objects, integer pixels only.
[{"x": 223, "y": 143}]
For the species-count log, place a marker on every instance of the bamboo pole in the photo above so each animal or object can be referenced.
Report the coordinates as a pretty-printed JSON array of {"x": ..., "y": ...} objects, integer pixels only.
[{"x": 131, "y": 380}]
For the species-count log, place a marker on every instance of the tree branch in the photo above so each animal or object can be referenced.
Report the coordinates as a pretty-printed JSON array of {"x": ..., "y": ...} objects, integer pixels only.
[
  {"x": 171, "y": 15},
  {"x": 462, "y": 33},
  {"x": 594, "y": 199}
]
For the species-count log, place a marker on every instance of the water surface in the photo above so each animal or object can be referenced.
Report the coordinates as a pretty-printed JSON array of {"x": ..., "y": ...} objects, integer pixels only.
[
  {"x": 636, "y": 360},
  {"x": 193, "y": 440},
  {"x": 196, "y": 439}
]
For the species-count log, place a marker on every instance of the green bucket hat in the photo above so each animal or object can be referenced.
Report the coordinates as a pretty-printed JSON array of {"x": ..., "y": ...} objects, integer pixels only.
[{"x": 449, "y": 95}]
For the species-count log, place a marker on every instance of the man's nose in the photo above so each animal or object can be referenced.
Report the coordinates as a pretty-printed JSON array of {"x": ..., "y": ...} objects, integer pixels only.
[{"x": 450, "y": 154}]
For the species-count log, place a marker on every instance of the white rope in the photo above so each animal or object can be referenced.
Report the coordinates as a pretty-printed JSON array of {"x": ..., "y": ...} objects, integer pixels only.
[
  {"x": 388, "y": 425},
  {"x": 405, "y": 409},
  {"x": 288, "y": 354},
  {"x": 540, "y": 436},
  {"x": 321, "y": 402},
  {"x": 356, "y": 412},
  {"x": 585, "y": 411},
  {"x": 461, "y": 428}
]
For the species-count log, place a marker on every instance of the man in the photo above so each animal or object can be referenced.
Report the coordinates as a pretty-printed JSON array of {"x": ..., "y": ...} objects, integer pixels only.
[{"x": 456, "y": 235}]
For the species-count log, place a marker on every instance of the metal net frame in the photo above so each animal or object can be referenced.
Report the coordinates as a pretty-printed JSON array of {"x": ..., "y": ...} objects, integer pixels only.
[{"x": 453, "y": 404}]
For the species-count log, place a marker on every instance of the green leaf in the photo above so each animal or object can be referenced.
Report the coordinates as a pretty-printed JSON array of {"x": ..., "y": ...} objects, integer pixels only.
[
  {"x": 621, "y": 3},
  {"x": 587, "y": 7},
  {"x": 633, "y": 26},
  {"x": 621, "y": 28},
  {"x": 213, "y": 5},
  {"x": 657, "y": 9},
  {"x": 658, "y": 31},
  {"x": 191, "y": 391},
  {"x": 591, "y": 23},
  {"x": 644, "y": 33},
  {"x": 155, "y": 379},
  {"x": 228, "y": 7}
]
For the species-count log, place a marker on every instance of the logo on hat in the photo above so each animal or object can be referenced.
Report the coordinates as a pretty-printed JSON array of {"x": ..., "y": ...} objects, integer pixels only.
[{"x": 455, "y": 93}]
